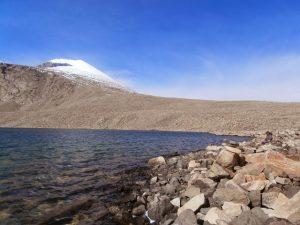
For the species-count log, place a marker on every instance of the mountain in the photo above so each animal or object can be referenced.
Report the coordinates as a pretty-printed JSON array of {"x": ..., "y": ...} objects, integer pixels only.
[
  {"x": 80, "y": 71},
  {"x": 72, "y": 94}
]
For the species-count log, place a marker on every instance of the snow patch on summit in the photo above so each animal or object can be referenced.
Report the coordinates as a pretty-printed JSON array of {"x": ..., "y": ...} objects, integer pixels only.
[{"x": 74, "y": 69}]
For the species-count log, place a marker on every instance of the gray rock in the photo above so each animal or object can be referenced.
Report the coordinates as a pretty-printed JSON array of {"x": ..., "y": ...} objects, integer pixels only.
[
  {"x": 227, "y": 159},
  {"x": 230, "y": 195},
  {"x": 138, "y": 211},
  {"x": 176, "y": 202},
  {"x": 253, "y": 217},
  {"x": 217, "y": 172},
  {"x": 186, "y": 217},
  {"x": 191, "y": 191},
  {"x": 194, "y": 203},
  {"x": 157, "y": 161},
  {"x": 159, "y": 207},
  {"x": 216, "y": 215},
  {"x": 255, "y": 198},
  {"x": 234, "y": 209}
]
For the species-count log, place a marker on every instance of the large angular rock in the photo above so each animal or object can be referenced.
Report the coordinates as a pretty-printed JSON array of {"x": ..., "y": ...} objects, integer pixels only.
[
  {"x": 217, "y": 172},
  {"x": 234, "y": 209},
  {"x": 256, "y": 185},
  {"x": 194, "y": 204},
  {"x": 255, "y": 198},
  {"x": 217, "y": 216},
  {"x": 253, "y": 217},
  {"x": 157, "y": 161},
  {"x": 227, "y": 159},
  {"x": 273, "y": 200},
  {"x": 275, "y": 162},
  {"x": 159, "y": 207},
  {"x": 207, "y": 186},
  {"x": 233, "y": 150},
  {"x": 191, "y": 191},
  {"x": 186, "y": 217},
  {"x": 289, "y": 209},
  {"x": 230, "y": 195}
]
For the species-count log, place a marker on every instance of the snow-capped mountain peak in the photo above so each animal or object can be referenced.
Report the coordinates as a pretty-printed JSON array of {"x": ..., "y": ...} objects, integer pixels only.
[{"x": 74, "y": 69}]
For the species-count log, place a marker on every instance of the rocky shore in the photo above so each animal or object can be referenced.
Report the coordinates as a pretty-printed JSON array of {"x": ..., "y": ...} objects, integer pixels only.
[{"x": 249, "y": 183}]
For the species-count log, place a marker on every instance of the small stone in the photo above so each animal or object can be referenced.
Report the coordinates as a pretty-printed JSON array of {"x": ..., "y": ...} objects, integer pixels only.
[
  {"x": 194, "y": 203},
  {"x": 153, "y": 180},
  {"x": 193, "y": 164},
  {"x": 169, "y": 189},
  {"x": 282, "y": 180},
  {"x": 138, "y": 211},
  {"x": 157, "y": 161},
  {"x": 176, "y": 202},
  {"x": 213, "y": 148}
]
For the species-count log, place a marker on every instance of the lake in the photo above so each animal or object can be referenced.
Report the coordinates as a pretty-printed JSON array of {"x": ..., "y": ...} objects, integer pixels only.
[{"x": 41, "y": 168}]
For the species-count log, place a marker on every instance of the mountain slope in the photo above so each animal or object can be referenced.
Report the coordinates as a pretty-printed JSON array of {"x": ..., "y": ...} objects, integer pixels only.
[{"x": 31, "y": 97}]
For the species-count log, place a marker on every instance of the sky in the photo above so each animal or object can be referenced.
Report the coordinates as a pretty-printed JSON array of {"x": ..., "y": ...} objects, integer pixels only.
[{"x": 201, "y": 49}]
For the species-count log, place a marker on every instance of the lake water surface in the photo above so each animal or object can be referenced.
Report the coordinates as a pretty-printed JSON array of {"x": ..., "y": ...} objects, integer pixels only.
[{"x": 40, "y": 168}]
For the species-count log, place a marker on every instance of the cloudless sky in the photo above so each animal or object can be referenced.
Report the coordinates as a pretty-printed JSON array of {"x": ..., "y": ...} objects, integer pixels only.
[{"x": 208, "y": 49}]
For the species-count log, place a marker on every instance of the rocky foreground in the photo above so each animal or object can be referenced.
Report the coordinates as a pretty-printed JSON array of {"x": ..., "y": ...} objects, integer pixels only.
[{"x": 250, "y": 183}]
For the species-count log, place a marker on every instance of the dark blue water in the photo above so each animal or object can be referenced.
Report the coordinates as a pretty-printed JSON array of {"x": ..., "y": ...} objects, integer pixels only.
[{"x": 40, "y": 168}]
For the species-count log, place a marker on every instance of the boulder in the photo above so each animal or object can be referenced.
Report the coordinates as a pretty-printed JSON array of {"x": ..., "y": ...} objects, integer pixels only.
[
  {"x": 252, "y": 169},
  {"x": 227, "y": 159},
  {"x": 159, "y": 207},
  {"x": 186, "y": 217},
  {"x": 230, "y": 195},
  {"x": 217, "y": 172},
  {"x": 216, "y": 215},
  {"x": 194, "y": 203},
  {"x": 273, "y": 199},
  {"x": 254, "y": 216},
  {"x": 256, "y": 185},
  {"x": 232, "y": 185},
  {"x": 191, "y": 191},
  {"x": 233, "y": 150},
  {"x": 255, "y": 198},
  {"x": 287, "y": 209},
  {"x": 157, "y": 161},
  {"x": 234, "y": 209},
  {"x": 207, "y": 186},
  {"x": 275, "y": 162}
]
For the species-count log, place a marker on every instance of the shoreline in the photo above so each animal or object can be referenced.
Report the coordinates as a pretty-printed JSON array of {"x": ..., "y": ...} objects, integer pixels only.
[{"x": 196, "y": 192}]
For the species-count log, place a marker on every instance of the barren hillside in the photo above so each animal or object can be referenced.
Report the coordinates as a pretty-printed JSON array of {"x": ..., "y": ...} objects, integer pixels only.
[{"x": 31, "y": 97}]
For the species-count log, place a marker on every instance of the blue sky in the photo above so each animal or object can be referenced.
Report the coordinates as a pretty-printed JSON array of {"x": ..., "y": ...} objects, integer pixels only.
[{"x": 207, "y": 49}]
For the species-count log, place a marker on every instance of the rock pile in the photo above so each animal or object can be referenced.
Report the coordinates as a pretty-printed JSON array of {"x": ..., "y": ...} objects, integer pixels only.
[{"x": 250, "y": 183}]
